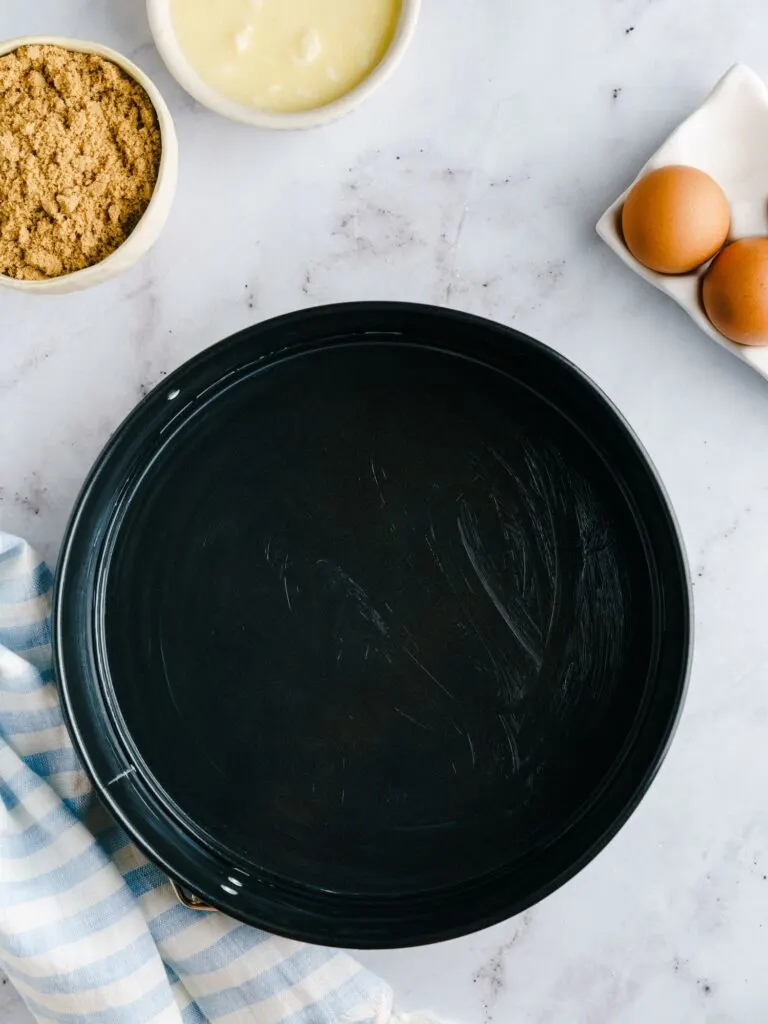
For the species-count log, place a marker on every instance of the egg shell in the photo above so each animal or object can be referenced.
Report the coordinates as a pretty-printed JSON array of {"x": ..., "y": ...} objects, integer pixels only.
[
  {"x": 735, "y": 291},
  {"x": 675, "y": 218}
]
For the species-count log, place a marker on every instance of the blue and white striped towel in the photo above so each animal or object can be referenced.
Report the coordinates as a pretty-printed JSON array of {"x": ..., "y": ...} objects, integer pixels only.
[{"x": 89, "y": 930}]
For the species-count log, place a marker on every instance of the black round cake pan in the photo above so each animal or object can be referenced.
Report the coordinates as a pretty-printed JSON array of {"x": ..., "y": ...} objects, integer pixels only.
[{"x": 372, "y": 624}]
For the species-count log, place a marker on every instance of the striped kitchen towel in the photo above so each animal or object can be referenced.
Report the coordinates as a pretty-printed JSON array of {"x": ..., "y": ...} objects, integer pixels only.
[{"x": 89, "y": 930}]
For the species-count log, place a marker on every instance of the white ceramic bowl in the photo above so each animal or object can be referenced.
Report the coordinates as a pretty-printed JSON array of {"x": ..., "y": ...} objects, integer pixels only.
[
  {"x": 146, "y": 232},
  {"x": 165, "y": 39},
  {"x": 728, "y": 138}
]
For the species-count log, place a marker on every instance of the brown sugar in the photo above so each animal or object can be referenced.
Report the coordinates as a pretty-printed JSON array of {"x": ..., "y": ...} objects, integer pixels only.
[{"x": 79, "y": 157}]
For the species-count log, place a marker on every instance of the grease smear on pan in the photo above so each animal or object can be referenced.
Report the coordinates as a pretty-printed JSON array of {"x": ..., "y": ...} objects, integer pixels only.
[{"x": 531, "y": 580}]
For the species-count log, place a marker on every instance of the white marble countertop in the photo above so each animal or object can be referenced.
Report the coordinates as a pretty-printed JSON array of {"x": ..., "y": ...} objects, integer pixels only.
[{"x": 474, "y": 180}]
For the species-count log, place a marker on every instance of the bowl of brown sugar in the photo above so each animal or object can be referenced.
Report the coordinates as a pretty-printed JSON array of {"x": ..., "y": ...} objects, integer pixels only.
[{"x": 88, "y": 164}]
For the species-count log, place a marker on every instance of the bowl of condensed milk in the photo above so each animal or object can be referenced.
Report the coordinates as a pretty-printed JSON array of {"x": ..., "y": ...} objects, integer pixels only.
[{"x": 282, "y": 63}]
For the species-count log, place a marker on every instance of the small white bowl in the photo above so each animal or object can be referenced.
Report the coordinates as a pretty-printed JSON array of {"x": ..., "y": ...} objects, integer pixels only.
[
  {"x": 167, "y": 44},
  {"x": 727, "y": 137},
  {"x": 148, "y": 229}
]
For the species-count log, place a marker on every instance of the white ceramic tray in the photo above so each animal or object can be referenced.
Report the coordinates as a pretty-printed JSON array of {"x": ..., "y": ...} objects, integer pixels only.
[{"x": 728, "y": 138}]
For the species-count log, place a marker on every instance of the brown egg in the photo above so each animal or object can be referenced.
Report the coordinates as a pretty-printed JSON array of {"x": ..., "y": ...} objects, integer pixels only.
[
  {"x": 735, "y": 291},
  {"x": 674, "y": 219}
]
